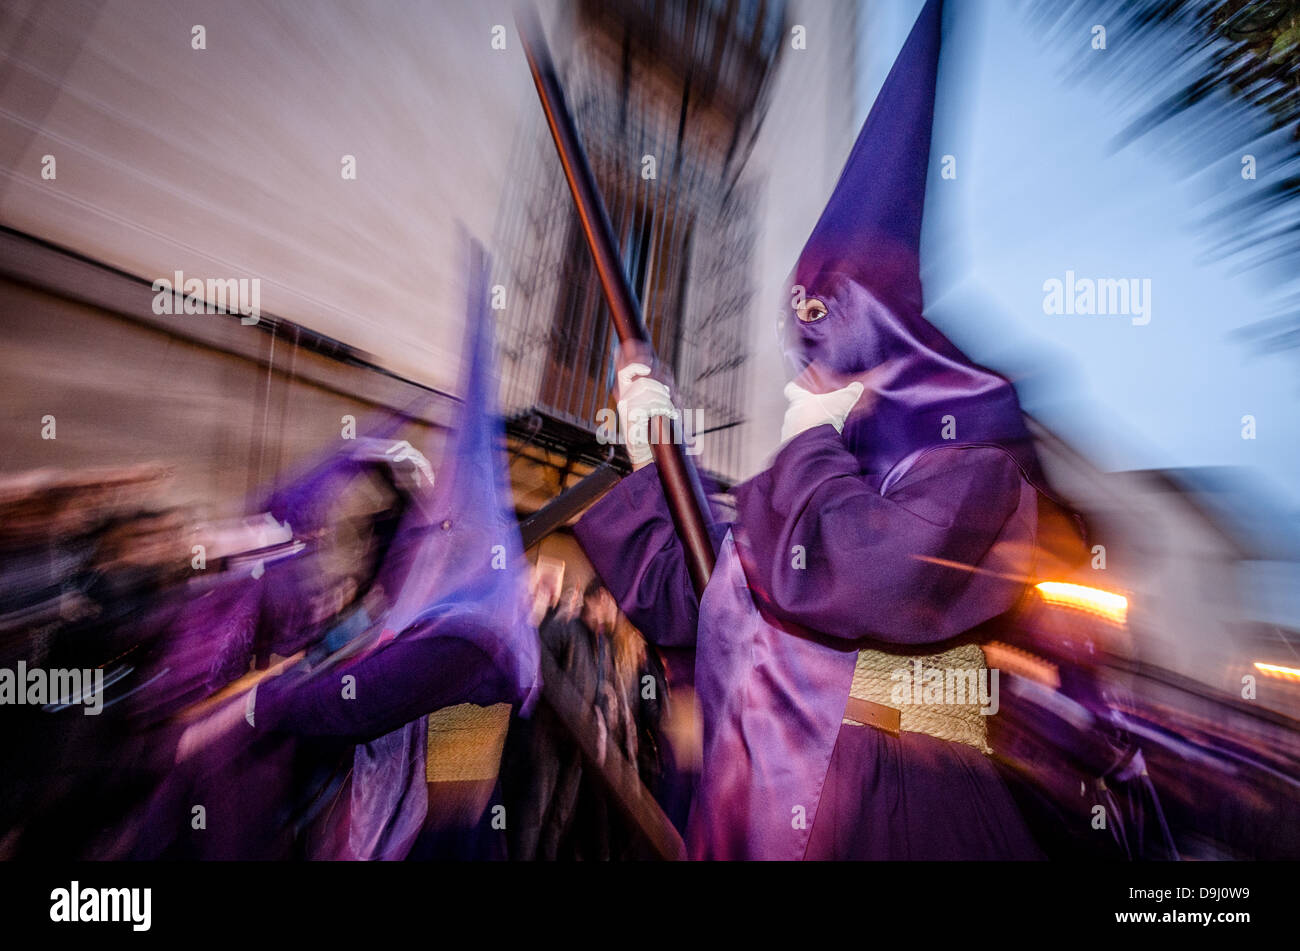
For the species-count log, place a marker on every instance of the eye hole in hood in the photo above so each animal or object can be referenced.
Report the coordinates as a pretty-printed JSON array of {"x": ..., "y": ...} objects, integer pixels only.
[{"x": 811, "y": 310}]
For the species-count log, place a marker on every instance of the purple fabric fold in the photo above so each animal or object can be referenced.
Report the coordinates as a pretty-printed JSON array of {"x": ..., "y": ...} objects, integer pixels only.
[
  {"x": 945, "y": 549},
  {"x": 771, "y": 705}
]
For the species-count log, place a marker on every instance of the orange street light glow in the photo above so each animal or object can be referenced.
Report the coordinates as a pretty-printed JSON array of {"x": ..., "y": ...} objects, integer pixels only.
[
  {"x": 1113, "y": 607},
  {"x": 1277, "y": 670}
]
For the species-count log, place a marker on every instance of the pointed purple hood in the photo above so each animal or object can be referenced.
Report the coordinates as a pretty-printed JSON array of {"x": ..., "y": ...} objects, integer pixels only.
[
  {"x": 862, "y": 264},
  {"x": 459, "y": 552},
  {"x": 457, "y": 555}
]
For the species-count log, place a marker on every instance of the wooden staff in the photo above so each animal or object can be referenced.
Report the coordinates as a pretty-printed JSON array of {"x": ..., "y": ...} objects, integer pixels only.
[{"x": 675, "y": 473}]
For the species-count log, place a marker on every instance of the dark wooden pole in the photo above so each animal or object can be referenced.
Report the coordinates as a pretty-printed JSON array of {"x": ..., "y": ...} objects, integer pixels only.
[{"x": 675, "y": 473}]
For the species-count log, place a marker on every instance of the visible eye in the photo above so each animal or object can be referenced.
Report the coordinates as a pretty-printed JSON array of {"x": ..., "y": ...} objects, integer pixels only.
[{"x": 810, "y": 310}]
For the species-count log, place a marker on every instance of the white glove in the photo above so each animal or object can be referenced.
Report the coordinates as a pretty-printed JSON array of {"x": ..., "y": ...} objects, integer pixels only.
[
  {"x": 403, "y": 451},
  {"x": 409, "y": 466},
  {"x": 641, "y": 397},
  {"x": 808, "y": 410}
]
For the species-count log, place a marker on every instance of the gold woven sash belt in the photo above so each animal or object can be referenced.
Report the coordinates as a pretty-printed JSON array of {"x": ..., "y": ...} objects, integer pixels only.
[
  {"x": 888, "y": 694},
  {"x": 465, "y": 742}
]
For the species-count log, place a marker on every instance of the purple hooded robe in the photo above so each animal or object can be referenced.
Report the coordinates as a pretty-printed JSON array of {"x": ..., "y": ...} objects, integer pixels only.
[
  {"x": 917, "y": 526},
  {"x": 457, "y": 631}
]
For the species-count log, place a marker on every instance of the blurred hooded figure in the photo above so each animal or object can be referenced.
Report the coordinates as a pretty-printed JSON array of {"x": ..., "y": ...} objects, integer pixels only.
[
  {"x": 896, "y": 521},
  {"x": 445, "y": 622}
]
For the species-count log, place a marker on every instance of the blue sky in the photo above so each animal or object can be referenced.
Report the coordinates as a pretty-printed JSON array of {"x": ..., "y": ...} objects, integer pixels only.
[{"x": 1041, "y": 189}]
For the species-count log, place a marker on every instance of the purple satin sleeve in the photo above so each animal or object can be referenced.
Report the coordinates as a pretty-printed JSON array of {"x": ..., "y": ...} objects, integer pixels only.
[
  {"x": 420, "y": 671},
  {"x": 922, "y": 563},
  {"x": 630, "y": 540}
]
